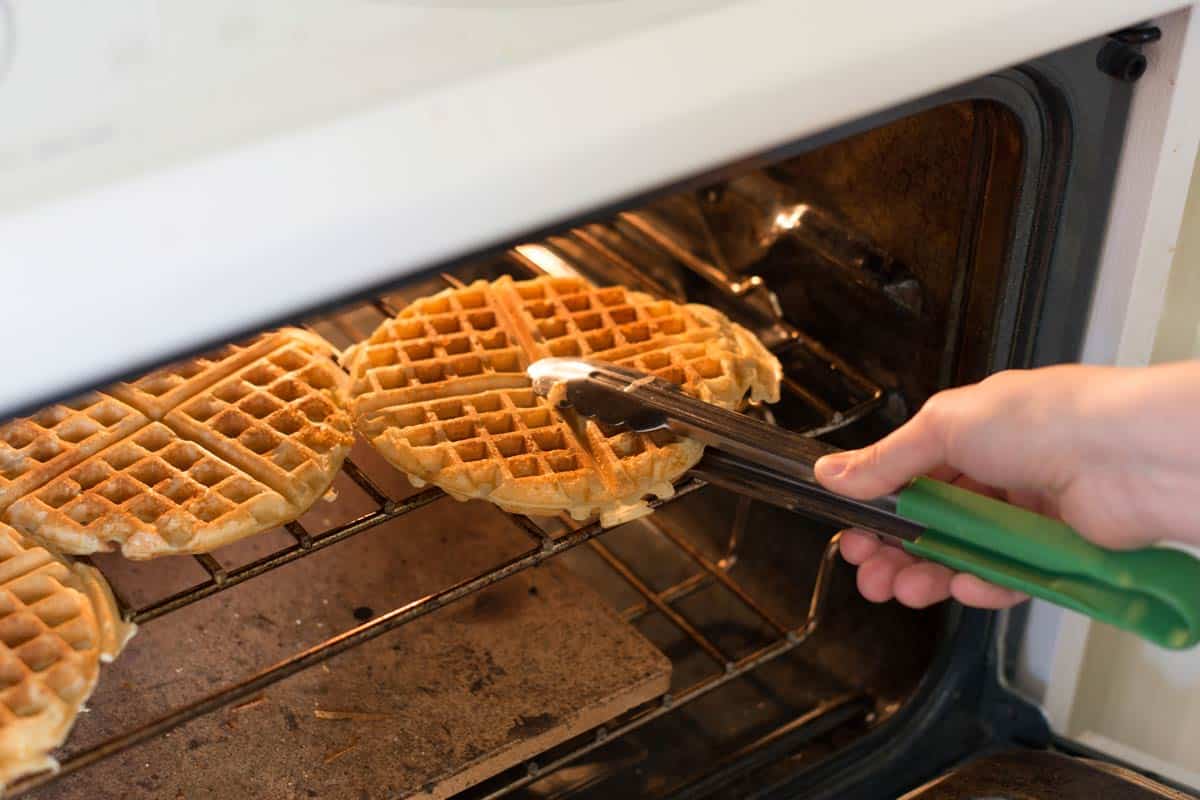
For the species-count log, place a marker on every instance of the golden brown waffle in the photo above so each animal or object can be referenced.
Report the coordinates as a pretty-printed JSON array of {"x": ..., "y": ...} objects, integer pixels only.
[
  {"x": 36, "y": 448},
  {"x": 205, "y": 452},
  {"x": 441, "y": 391},
  {"x": 58, "y": 621},
  {"x": 160, "y": 391}
]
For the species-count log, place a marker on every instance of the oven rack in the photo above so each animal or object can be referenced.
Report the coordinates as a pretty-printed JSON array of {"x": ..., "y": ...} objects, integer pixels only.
[
  {"x": 831, "y": 713},
  {"x": 545, "y": 546},
  {"x": 220, "y": 578}
]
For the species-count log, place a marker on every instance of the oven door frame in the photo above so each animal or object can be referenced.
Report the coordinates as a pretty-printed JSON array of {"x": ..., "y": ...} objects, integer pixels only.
[
  {"x": 1054, "y": 655},
  {"x": 1075, "y": 121}
]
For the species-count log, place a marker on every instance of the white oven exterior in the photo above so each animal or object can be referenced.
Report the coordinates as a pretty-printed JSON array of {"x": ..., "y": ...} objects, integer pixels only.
[
  {"x": 244, "y": 146},
  {"x": 173, "y": 173}
]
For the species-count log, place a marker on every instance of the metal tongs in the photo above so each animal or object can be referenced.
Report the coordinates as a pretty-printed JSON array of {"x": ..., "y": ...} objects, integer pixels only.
[{"x": 1154, "y": 592}]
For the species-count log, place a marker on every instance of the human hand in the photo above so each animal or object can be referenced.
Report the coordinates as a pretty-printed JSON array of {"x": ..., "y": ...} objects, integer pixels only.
[{"x": 1115, "y": 453}]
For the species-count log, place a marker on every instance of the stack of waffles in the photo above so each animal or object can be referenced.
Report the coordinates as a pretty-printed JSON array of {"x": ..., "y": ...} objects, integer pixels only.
[{"x": 441, "y": 391}]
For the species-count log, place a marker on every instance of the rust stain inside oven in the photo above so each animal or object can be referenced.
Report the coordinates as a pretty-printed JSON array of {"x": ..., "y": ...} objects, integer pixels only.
[{"x": 871, "y": 267}]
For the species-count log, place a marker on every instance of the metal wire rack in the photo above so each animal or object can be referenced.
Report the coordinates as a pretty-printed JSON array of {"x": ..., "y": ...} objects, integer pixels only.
[{"x": 546, "y": 544}]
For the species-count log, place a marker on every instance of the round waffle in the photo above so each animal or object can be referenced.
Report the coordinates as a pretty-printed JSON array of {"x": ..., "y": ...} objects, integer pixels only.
[
  {"x": 58, "y": 621},
  {"x": 185, "y": 459},
  {"x": 441, "y": 391}
]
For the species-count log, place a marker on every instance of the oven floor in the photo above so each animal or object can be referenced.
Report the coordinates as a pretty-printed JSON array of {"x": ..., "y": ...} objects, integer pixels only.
[{"x": 857, "y": 669}]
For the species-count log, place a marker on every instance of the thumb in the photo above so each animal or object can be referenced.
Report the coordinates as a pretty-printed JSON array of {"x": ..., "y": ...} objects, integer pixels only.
[{"x": 911, "y": 450}]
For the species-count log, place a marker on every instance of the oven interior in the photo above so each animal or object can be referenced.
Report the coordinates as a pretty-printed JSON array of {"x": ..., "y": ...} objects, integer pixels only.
[{"x": 876, "y": 267}]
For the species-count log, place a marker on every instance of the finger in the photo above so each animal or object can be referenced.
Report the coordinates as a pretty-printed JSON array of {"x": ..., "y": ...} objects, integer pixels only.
[
  {"x": 913, "y": 449},
  {"x": 878, "y": 573},
  {"x": 922, "y": 584},
  {"x": 857, "y": 546},
  {"x": 972, "y": 591}
]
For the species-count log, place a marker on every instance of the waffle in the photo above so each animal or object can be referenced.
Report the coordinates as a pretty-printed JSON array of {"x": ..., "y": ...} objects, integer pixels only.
[
  {"x": 183, "y": 460},
  {"x": 35, "y": 449},
  {"x": 440, "y": 390},
  {"x": 58, "y": 621}
]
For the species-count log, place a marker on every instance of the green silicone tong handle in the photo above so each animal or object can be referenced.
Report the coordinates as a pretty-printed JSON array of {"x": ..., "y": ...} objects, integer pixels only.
[{"x": 1154, "y": 592}]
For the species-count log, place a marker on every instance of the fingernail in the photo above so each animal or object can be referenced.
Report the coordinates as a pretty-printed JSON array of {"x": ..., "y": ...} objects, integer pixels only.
[{"x": 831, "y": 466}]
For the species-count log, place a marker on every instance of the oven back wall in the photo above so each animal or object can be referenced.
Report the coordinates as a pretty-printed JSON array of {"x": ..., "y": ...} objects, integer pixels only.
[{"x": 935, "y": 192}]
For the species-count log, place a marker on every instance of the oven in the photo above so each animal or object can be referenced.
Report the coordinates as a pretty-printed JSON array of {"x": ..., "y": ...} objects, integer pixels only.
[{"x": 919, "y": 233}]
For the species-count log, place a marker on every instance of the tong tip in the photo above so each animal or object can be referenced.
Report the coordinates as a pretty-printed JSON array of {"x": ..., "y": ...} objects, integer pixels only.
[{"x": 546, "y": 373}]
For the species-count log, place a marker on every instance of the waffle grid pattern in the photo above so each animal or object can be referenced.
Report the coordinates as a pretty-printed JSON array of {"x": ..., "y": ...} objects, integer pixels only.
[
  {"x": 441, "y": 390},
  {"x": 159, "y": 391},
  {"x": 246, "y": 442},
  {"x": 55, "y": 628},
  {"x": 34, "y": 449}
]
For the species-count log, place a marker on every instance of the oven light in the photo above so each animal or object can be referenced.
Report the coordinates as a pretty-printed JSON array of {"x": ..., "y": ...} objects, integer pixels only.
[
  {"x": 790, "y": 219},
  {"x": 546, "y": 260}
]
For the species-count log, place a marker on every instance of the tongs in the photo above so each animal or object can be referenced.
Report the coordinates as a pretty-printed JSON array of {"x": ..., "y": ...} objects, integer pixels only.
[{"x": 1154, "y": 591}]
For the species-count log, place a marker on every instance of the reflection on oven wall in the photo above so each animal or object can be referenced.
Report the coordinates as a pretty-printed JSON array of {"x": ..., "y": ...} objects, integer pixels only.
[{"x": 889, "y": 246}]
